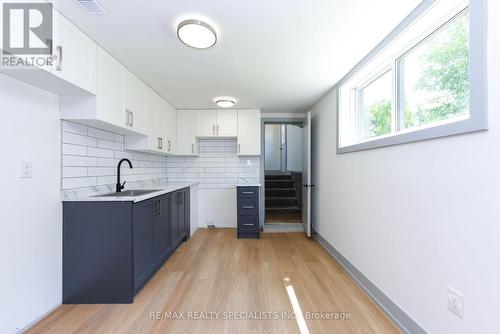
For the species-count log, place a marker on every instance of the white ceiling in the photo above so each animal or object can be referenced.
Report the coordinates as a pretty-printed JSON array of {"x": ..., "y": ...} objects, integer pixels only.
[{"x": 278, "y": 55}]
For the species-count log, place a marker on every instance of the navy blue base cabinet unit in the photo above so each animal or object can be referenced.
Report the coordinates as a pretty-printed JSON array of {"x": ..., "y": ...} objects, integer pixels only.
[
  {"x": 248, "y": 212},
  {"x": 111, "y": 249}
]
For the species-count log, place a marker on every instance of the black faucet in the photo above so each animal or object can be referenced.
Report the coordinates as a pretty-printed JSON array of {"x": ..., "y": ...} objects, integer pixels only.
[{"x": 119, "y": 185}]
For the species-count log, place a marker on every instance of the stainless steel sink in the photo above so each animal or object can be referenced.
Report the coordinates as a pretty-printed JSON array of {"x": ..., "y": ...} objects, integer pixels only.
[{"x": 130, "y": 193}]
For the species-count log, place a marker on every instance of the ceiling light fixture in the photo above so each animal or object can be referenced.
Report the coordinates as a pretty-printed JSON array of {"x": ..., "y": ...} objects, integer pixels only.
[
  {"x": 196, "y": 34},
  {"x": 225, "y": 102}
]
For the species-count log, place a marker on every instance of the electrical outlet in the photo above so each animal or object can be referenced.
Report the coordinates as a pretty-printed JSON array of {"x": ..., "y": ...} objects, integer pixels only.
[
  {"x": 26, "y": 169},
  {"x": 210, "y": 223},
  {"x": 456, "y": 302}
]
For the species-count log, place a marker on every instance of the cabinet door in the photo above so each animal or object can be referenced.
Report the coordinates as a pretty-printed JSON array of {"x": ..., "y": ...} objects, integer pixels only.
[
  {"x": 249, "y": 132},
  {"x": 227, "y": 123},
  {"x": 186, "y": 137},
  {"x": 178, "y": 217},
  {"x": 206, "y": 123},
  {"x": 135, "y": 102},
  {"x": 76, "y": 54},
  {"x": 163, "y": 243},
  {"x": 153, "y": 121},
  {"x": 181, "y": 215},
  {"x": 143, "y": 235},
  {"x": 110, "y": 89},
  {"x": 168, "y": 127}
]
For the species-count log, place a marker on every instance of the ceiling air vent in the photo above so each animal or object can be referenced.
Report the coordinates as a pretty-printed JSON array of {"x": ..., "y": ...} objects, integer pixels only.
[{"x": 92, "y": 7}]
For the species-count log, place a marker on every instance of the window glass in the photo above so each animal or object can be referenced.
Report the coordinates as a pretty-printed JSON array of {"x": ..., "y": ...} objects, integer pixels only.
[
  {"x": 435, "y": 76},
  {"x": 375, "y": 105}
]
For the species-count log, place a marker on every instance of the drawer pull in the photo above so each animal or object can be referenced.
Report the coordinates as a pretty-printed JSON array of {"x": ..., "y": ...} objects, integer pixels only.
[
  {"x": 248, "y": 224},
  {"x": 248, "y": 192},
  {"x": 247, "y": 207}
]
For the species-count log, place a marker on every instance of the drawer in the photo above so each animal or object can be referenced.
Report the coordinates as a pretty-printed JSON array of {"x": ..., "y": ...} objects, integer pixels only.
[
  {"x": 248, "y": 207},
  {"x": 248, "y": 223},
  {"x": 248, "y": 192}
]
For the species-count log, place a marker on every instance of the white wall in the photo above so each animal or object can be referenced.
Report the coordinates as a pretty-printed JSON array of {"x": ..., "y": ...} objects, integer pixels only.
[
  {"x": 293, "y": 148},
  {"x": 272, "y": 146},
  {"x": 31, "y": 223},
  {"x": 417, "y": 218}
]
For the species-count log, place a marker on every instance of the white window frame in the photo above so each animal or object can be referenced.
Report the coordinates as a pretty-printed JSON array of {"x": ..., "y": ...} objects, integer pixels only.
[{"x": 477, "y": 120}]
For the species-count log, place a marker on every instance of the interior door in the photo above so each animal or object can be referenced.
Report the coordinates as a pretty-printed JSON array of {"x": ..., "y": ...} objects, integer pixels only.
[{"x": 306, "y": 175}]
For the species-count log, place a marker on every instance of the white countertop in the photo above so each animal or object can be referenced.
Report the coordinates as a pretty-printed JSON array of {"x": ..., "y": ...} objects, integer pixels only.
[
  {"x": 92, "y": 195},
  {"x": 248, "y": 185}
]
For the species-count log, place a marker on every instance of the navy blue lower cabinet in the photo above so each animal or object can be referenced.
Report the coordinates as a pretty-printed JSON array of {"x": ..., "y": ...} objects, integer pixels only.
[
  {"x": 248, "y": 212},
  {"x": 163, "y": 244},
  {"x": 144, "y": 225},
  {"x": 112, "y": 249}
]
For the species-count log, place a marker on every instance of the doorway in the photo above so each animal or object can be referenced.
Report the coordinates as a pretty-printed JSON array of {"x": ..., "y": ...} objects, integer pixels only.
[
  {"x": 283, "y": 172},
  {"x": 286, "y": 177}
]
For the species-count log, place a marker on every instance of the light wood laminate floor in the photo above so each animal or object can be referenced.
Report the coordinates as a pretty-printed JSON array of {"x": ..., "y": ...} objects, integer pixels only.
[{"x": 215, "y": 272}]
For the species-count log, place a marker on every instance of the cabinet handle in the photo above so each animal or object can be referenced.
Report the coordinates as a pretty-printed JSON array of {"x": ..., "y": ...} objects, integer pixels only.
[
  {"x": 131, "y": 118},
  {"x": 159, "y": 143},
  {"x": 192, "y": 148},
  {"x": 169, "y": 146},
  {"x": 159, "y": 208},
  {"x": 247, "y": 207},
  {"x": 248, "y": 224},
  {"x": 239, "y": 148},
  {"x": 217, "y": 130},
  {"x": 248, "y": 192},
  {"x": 213, "y": 130},
  {"x": 59, "y": 49},
  {"x": 127, "y": 117}
]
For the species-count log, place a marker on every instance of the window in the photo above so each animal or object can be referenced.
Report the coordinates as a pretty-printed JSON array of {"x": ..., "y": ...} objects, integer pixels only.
[
  {"x": 375, "y": 106},
  {"x": 417, "y": 85}
]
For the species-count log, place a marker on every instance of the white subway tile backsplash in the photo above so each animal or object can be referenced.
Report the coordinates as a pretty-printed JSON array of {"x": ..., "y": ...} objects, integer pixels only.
[
  {"x": 74, "y": 128},
  {"x": 111, "y": 145},
  {"x": 78, "y": 161},
  {"x": 100, "y": 153},
  {"x": 78, "y": 182},
  {"x": 217, "y": 167},
  {"x": 100, "y": 134},
  {"x": 77, "y": 139},
  {"x": 69, "y": 149},
  {"x": 74, "y": 171},
  {"x": 90, "y": 156}
]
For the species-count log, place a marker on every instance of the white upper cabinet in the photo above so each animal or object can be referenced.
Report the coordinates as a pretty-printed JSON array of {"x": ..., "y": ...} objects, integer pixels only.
[
  {"x": 76, "y": 55},
  {"x": 186, "y": 133},
  {"x": 73, "y": 70},
  {"x": 159, "y": 130},
  {"x": 135, "y": 102},
  {"x": 110, "y": 91},
  {"x": 206, "y": 123},
  {"x": 168, "y": 121},
  {"x": 227, "y": 123},
  {"x": 249, "y": 132},
  {"x": 216, "y": 123}
]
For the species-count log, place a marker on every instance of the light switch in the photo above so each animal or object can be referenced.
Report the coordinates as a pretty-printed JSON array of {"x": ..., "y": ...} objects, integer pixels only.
[{"x": 26, "y": 169}]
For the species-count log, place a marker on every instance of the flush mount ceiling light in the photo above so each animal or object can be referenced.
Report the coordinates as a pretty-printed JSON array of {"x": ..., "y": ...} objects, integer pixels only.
[
  {"x": 225, "y": 102},
  {"x": 196, "y": 34}
]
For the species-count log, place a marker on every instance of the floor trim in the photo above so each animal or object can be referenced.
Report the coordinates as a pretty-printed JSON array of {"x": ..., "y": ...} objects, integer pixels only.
[{"x": 393, "y": 311}]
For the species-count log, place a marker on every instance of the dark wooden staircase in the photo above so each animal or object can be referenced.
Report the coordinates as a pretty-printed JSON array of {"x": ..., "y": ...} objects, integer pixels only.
[{"x": 282, "y": 203}]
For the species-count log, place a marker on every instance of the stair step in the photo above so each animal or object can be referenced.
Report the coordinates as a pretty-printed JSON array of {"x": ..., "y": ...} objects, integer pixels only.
[
  {"x": 278, "y": 177},
  {"x": 274, "y": 184},
  {"x": 280, "y": 192},
  {"x": 284, "y": 209},
  {"x": 281, "y": 202}
]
